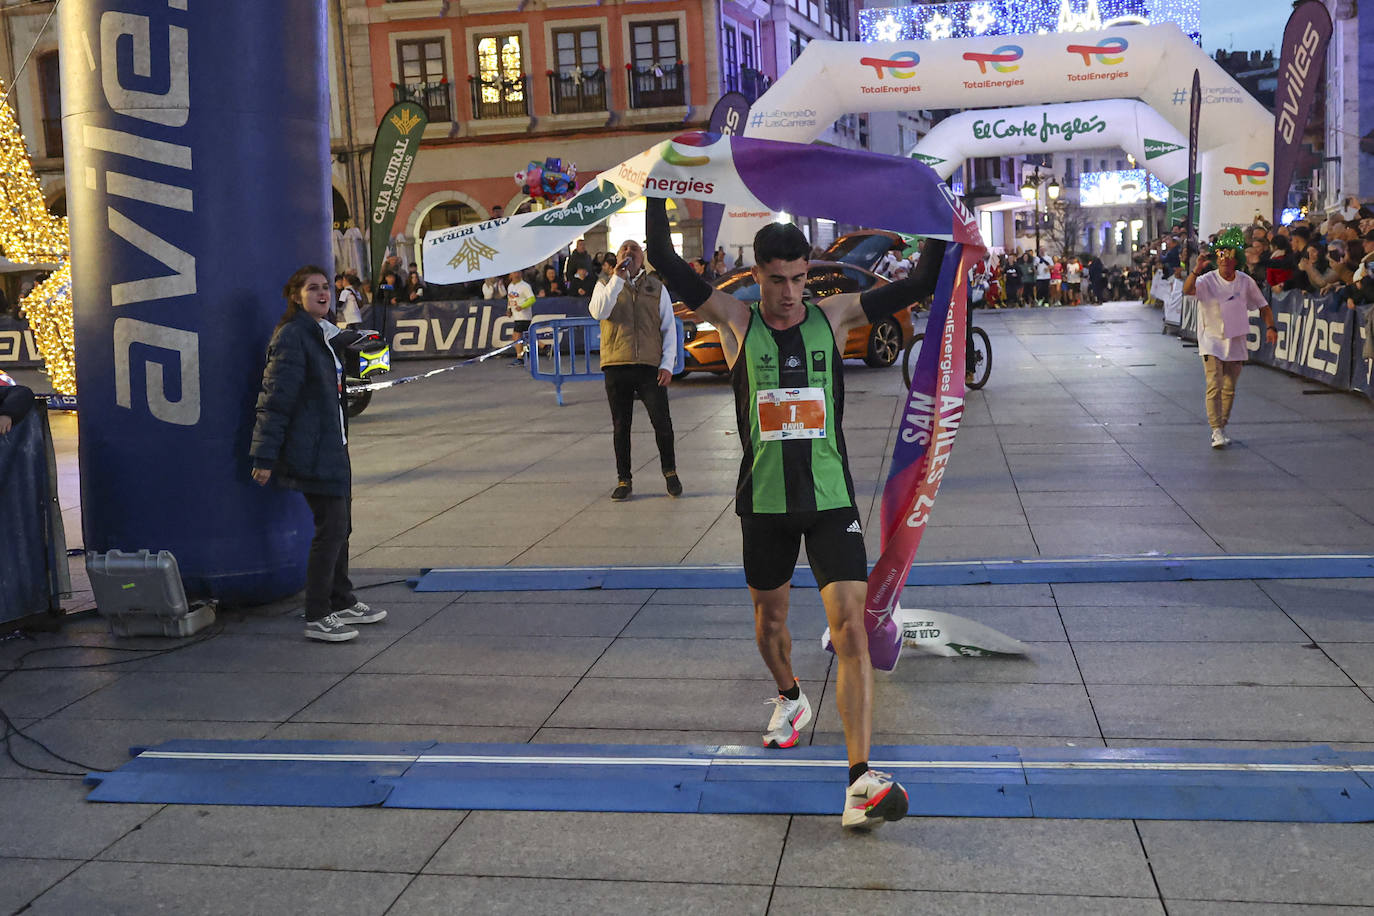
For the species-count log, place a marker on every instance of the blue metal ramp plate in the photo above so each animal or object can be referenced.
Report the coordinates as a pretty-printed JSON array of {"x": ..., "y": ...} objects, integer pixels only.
[
  {"x": 1314, "y": 784},
  {"x": 958, "y": 572},
  {"x": 332, "y": 774}
]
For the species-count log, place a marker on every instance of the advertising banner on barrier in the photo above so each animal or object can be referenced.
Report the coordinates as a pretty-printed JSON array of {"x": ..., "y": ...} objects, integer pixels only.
[
  {"x": 1361, "y": 365},
  {"x": 460, "y": 328},
  {"x": 1169, "y": 290},
  {"x": 17, "y": 347},
  {"x": 1313, "y": 336},
  {"x": 1319, "y": 338},
  {"x": 1187, "y": 321}
]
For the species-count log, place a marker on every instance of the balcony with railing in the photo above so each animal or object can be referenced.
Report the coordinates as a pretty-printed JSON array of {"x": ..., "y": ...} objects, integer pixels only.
[
  {"x": 434, "y": 98},
  {"x": 657, "y": 86},
  {"x": 753, "y": 83},
  {"x": 578, "y": 92},
  {"x": 497, "y": 98}
]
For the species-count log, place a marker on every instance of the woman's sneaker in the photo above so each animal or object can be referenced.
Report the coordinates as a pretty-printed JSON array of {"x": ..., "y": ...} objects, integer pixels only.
[
  {"x": 360, "y": 613},
  {"x": 329, "y": 629},
  {"x": 872, "y": 799},
  {"x": 788, "y": 719}
]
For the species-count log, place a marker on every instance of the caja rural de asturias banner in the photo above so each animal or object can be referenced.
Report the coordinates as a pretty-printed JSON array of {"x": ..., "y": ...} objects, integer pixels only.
[
  {"x": 849, "y": 186},
  {"x": 393, "y": 154}
]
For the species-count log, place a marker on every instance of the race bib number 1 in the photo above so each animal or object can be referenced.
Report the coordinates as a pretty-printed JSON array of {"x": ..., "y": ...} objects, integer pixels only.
[{"x": 791, "y": 413}]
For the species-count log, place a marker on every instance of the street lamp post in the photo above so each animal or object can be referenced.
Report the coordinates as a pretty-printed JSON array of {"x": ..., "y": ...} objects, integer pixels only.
[{"x": 1030, "y": 191}]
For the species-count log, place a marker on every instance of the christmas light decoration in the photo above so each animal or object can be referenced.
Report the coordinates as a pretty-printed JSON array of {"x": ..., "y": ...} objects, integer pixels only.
[
  {"x": 1088, "y": 20},
  {"x": 29, "y": 234},
  {"x": 981, "y": 18},
  {"x": 939, "y": 26},
  {"x": 889, "y": 30},
  {"x": 1023, "y": 17}
]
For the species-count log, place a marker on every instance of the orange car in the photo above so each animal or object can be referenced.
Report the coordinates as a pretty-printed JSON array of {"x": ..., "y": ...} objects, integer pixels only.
[{"x": 877, "y": 344}]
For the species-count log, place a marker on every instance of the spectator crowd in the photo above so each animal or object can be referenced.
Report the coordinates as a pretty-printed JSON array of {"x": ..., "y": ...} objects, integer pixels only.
[{"x": 1318, "y": 256}]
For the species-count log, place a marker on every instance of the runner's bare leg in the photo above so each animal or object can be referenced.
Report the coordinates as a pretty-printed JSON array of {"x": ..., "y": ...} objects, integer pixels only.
[
  {"x": 844, "y": 610},
  {"x": 771, "y": 633}
]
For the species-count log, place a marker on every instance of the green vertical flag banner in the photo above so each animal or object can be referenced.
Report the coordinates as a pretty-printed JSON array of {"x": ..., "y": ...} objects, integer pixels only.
[{"x": 393, "y": 154}]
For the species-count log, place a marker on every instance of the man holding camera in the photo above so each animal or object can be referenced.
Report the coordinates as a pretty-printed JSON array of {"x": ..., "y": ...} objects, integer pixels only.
[{"x": 638, "y": 350}]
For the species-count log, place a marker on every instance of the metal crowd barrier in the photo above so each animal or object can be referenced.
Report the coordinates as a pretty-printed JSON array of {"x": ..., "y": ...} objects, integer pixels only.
[
  {"x": 564, "y": 349},
  {"x": 569, "y": 350}
]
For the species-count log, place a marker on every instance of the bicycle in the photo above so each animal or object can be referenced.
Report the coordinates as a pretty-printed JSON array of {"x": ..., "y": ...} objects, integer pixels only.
[{"x": 978, "y": 358}]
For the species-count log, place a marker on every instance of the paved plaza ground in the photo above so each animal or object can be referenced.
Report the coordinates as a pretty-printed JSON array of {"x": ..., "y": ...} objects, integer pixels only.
[{"x": 1090, "y": 440}]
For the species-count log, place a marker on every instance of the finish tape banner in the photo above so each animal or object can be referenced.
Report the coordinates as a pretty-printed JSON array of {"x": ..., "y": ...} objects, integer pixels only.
[
  {"x": 849, "y": 186},
  {"x": 727, "y": 119}
]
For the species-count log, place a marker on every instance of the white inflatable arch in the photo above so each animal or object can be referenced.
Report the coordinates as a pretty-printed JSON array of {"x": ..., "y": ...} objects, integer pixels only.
[
  {"x": 1152, "y": 63},
  {"x": 1133, "y": 126}
]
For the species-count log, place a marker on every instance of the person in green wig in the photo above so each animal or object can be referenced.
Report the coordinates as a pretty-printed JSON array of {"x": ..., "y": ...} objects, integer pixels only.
[{"x": 1225, "y": 298}]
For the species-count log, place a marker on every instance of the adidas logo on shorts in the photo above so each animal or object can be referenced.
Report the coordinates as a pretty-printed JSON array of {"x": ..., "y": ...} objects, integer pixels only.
[{"x": 854, "y": 528}]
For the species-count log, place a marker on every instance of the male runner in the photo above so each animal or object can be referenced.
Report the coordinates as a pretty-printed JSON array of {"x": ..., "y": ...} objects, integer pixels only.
[
  {"x": 794, "y": 480},
  {"x": 1225, "y": 298}
]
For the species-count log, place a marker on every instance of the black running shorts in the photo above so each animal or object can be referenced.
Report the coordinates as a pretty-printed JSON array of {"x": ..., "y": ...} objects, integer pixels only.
[
  {"x": 519, "y": 326},
  {"x": 834, "y": 547}
]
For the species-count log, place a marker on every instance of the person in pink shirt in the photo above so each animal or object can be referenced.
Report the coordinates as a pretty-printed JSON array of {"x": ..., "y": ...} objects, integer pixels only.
[{"x": 1225, "y": 299}]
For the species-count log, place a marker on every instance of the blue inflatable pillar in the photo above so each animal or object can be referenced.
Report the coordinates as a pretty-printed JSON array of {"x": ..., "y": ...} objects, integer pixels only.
[{"x": 197, "y": 162}]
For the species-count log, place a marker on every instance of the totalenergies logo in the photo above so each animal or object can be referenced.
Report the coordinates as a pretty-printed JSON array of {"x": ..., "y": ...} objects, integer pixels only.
[
  {"x": 1257, "y": 173},
  {"x": 1003, "y": 59},
  {"x": 1109, "y": 51},
  {"x": 901, "y": 65}
]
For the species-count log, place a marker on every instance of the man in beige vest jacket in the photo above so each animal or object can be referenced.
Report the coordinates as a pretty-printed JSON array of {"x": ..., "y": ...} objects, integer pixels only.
[{"x": 638, "y": 349}]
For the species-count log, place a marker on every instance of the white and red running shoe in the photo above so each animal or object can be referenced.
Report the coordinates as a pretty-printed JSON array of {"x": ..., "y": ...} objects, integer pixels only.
[
  {"x": 789, "y": 718},
  {"x": 872, "y": 799}
]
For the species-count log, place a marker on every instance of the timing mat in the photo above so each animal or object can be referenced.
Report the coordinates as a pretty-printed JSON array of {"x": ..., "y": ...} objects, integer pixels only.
[
  {"x": 1312, "y": 784},
  {"x": 951, "y": 572}
]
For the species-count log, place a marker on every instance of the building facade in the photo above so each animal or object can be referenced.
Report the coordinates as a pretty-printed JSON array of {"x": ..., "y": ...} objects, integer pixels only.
[{"x": 1347, "y": 166}]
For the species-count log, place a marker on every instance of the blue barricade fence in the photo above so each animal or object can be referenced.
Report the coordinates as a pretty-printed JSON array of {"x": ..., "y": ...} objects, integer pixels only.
[
  {"x": 568, "y": 350},
  {"x": 564, "y": 350}
]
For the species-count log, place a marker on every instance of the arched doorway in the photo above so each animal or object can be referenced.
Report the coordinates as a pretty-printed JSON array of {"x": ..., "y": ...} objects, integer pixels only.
[
  {"x": 446, "y": 215},
  {"x": 343, "y": 219},
  {"x": 440, "y": 210}
]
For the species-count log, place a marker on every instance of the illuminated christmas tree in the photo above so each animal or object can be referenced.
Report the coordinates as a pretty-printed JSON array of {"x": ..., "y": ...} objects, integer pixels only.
[{"x": 29, "y": 234}]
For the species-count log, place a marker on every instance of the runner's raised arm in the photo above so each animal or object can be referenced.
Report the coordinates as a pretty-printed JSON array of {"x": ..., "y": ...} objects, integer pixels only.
[
  {"x": 728, "y": 314},
  {"x": 850, "y": 310}
]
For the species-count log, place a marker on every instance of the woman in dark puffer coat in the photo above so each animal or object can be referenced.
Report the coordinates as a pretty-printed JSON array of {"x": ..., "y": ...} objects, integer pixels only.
[{"x": 301, "y": 439}]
